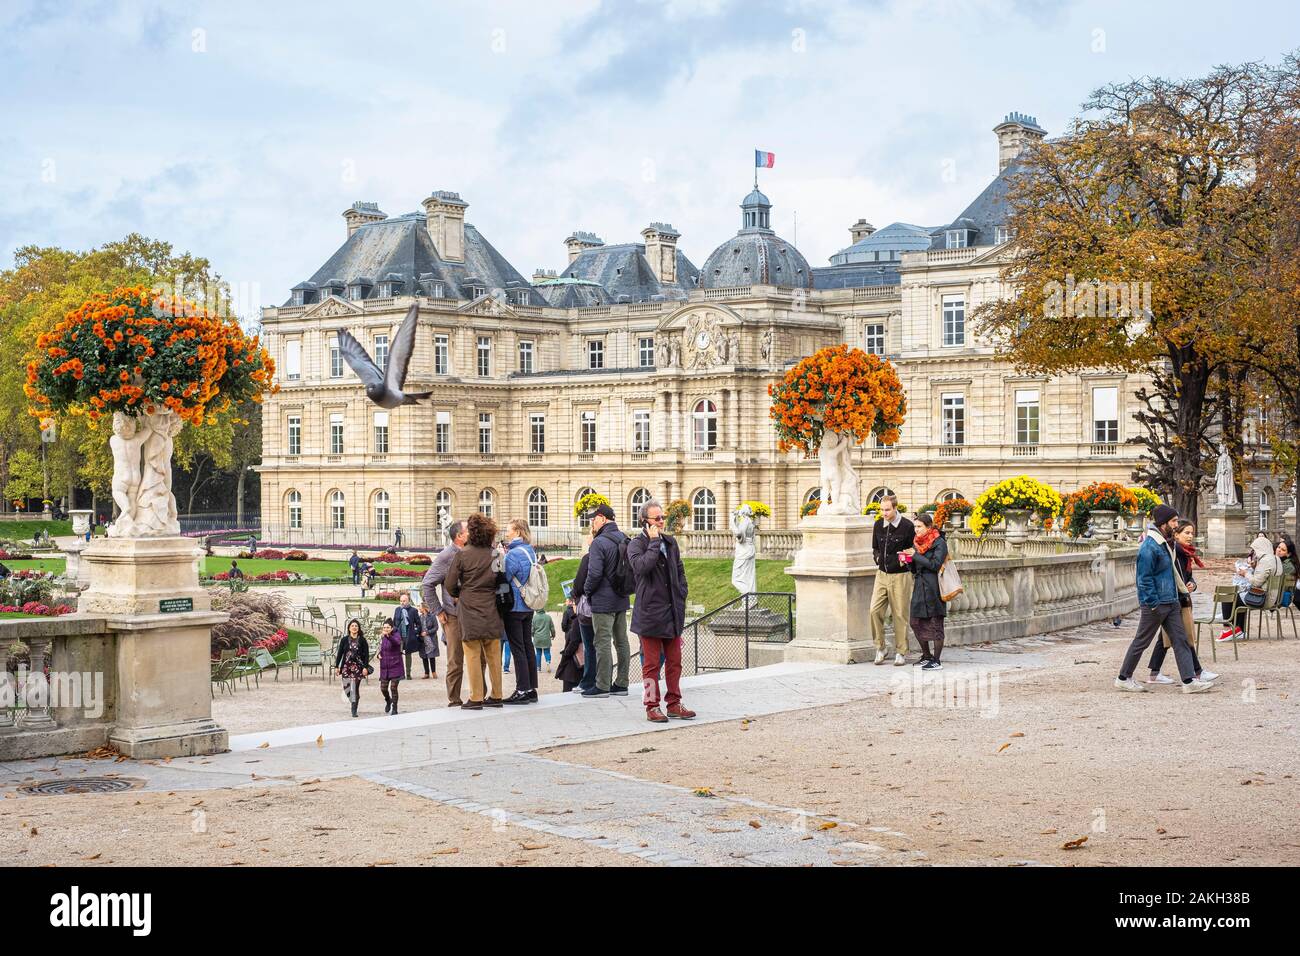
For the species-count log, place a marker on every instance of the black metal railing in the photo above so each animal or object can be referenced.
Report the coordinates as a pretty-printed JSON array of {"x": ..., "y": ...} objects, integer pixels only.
[{"x": 720, "y": 640}]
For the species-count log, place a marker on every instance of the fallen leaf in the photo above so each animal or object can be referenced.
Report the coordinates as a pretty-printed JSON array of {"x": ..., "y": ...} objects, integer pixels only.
[
  {"x": 828, "y": 825},
  {"x": 1161, "y": 830},
  {"x": 95, "y": 857},
  {"x": 449, "y": 850},
  {"x": 35, "y": 831},
  {"x": 320, "y": 741},
  {"x": 1048, "y": 832},
  {"x": 308, "y": 783},
  {"x": 1074, "y": 844},
  {"x": 263, "y": 746},
  {"x": 703, "y": 792},
  {"x": 755, "y": 824},
  {"x": 1017, "y": 734},
  {"x": 533, "y": 846},
  {"x": 1004, "y": 746},
  {"x": 383, "y": 863}
]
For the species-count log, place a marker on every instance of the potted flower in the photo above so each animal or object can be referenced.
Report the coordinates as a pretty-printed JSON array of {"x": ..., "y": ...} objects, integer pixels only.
[
  {"x": 675, "y": 515},
  {"x": 1096, "y": 507},
  {"x": 757, "y": 510},
  {"x": 829, "y": 402},
  {"x": 951, "y": 512},
  {"x": 152, "y": 364},
  {"x": 1012, "y": 500},
  {"x": 872, "y": 510},
  {"x": 588, "y": 502}
]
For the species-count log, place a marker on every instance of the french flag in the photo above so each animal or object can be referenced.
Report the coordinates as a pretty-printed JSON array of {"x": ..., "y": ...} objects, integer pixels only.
[{"x": 764, "y": 160}]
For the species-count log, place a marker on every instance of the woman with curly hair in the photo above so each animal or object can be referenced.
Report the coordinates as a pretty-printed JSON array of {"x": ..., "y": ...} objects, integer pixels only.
[
  {"x": 353, "y": 662},
  {"x": 472, "y": 578}
]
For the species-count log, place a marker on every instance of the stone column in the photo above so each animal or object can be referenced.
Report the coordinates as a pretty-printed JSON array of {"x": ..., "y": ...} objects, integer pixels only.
[
  {"x": 1225, "y": 532},
  {"x": 834, "y": 573},
  {"x": 147, "y": 590}
]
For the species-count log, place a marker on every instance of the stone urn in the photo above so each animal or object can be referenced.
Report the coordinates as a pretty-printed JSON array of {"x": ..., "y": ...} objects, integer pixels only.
[
  {"x": 1102, "y": 524},
  {"x": 1017, "y": 523}
]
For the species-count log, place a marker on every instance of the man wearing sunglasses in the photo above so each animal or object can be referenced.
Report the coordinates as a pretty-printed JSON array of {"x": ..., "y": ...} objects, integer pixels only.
[{"x": 659, "y": 614}]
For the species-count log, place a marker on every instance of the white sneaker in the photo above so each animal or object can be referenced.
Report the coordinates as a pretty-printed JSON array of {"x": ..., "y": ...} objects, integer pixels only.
[
  {"x": 1160, "y": 679},
  {"x": 1197, "y": 687},
  {"x": 1208, "y": 676},
  {"x": 899, "y": 660},
  {"x": 1130, "y": 685},
  {"x": 880, "y": 657}
]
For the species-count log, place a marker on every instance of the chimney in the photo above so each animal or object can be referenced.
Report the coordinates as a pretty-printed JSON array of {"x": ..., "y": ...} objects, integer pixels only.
[
  {"x": 444, "y": 216},
  {"x": 661, "y": 250},
  {"x": 581, "y": 241},
  {"x": 1015, "y": 134},
  {"x": 360, "y": 213},
  {"x": 861, "y": 229},
  {"x": 543, "y": 275}
]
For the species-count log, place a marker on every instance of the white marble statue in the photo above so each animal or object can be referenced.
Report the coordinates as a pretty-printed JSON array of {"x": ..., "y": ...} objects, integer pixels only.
[
  {"x": 128, "y": 437},
  {"x": 838, "y": 479},
  {"x": 744, "y": 574},
  {"x": 1225, "y": 488},
  {"x": 444, "y": 522},
  {"x": 155, "y": 509}
]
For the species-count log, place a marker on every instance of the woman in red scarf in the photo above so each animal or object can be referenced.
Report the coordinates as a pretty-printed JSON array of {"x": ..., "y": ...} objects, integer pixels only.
[{"x": 926, "y": 556}]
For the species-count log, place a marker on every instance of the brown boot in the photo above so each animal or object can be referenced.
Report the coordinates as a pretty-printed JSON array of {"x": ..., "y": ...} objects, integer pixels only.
[
  {"x": 680, "y": 712},
  {"x": 656, "y": 716}
]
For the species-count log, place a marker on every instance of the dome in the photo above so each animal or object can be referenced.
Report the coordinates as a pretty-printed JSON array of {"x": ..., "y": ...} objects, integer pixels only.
[{"x": 757, "y": 255}]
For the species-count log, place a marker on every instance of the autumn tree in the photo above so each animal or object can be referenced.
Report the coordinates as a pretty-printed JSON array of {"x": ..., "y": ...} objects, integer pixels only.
[{"x": 1133, "y": 252}]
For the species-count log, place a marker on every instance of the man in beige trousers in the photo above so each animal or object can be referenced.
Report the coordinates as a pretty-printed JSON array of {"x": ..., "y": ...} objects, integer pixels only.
[
  {"x": 891, "y": 534},
  {"x": 443, "y": 605}
]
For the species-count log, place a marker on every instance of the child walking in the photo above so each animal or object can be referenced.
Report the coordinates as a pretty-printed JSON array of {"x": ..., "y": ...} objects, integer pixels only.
[
  {"x": 392, "y": 667},
  {"x": 543, "y": 635}
]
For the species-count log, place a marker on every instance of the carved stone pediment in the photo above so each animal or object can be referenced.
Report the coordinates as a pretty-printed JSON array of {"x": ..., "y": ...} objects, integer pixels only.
[
  {"x": 333, "y": 306},
  {"x": 710, "y": 335},
  {"x": 488, "y": 304}
]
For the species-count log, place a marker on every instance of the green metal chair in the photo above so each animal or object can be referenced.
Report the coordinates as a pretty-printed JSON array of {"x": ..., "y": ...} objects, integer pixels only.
[
  {"x": 1273, "y": 606},
  {"x": 1224, "y": 594},
  {"x": 267, "y": 662},
  {"x": 223, "y": 675},
  {"x": 309, "y": 656},
  {"x": 246, "y": 667}
]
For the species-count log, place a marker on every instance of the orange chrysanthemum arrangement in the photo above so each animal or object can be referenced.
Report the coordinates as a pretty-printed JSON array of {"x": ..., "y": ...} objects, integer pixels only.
[
  {"x": 1099, "y": 496},
  {"x": 135, "y": 352},
  {"x": 949, "y": 507},
  {"x": 837, "y": 389}
]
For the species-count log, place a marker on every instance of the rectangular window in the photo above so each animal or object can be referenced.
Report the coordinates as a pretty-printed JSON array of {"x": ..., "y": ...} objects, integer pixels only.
[
  {"x": 954, "y": 320},
  {"x": 595, "y": 354},
  {"x": 956, "y": 239},
  {"x": 293, "y": 359},
  {"x": 525, "y": 358},
  {"x": 440, "y": 355},
  {"x": 485, "y": 433},
  {"x": 646, "y": 349},
  {"x": 954, "y": 418},
  {"x": 1105, "y": 415},
  {"x": 336, "y": 358},
  {"x": 295, "y": 513},
  {"x": 1001, "y": 234},
  {"x": 476, "y": 291},
  {"x": 381, "y": 351},
  {"x": 484, "y": 356},
  {"x": 641, "y": 429},
  {"x": 537, "y": 433},
  {"x": 295, "y": 435},
  {"x": 588, "y": 431},
  {"x": 1026, "y": 416},
  {"x": 874, "y": 338},
  {"x": 442, "y": 434},
  {"x": 336, "y": 433},
  {"x": 381, "y": 433}
]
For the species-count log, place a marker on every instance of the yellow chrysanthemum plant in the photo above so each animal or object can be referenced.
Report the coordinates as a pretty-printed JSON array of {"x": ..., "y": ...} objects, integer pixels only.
[
  {"x": 758, "y": 509},
  {"x": 1021, "y": 493},
  {"x": 872, "y": 510},
  {"x": 1146, "y": 499},
  {"x": 588, "y": 501}
]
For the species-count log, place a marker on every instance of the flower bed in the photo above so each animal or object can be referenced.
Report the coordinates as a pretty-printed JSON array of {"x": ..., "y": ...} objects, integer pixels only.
[
  {"x": 1021, "y": 493},
  {"x": 36, "y": 607},
  {"x": 15, "y": 556},
  {"x": 266, "y": 576},
  {"x": 388, "y": 557},
  {"x": 295, "y": 556},
  {"x": 419, "y": 559},
  {"x": 275, "y": 642},
  {"x": 398, "y": 573}
]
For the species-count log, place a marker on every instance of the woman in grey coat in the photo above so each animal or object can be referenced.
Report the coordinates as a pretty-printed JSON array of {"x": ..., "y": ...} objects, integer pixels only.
[{"x": 926, "y": 556}]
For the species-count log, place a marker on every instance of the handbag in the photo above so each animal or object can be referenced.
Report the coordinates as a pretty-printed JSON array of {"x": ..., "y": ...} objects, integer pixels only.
[
  {"x": 1254, "y": 597},
  {"x": 949, "y": 581},
  {"x": 584, "y": 609}
]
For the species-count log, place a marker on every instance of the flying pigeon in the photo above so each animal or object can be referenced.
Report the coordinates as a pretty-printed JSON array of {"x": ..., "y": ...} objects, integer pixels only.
[{"x": 384, "y": 387}]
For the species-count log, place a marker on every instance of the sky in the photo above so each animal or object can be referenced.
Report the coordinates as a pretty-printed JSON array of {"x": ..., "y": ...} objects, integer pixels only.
[{"x": 240, "y": 131}]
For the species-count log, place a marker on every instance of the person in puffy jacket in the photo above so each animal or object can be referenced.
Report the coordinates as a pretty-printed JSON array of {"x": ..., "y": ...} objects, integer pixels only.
[
  {"x": 924, "y": 558},
  {"x": 659, "y": 614},
  {"x": 608, "y": 606},
  {"x": 392, "y": 668},
  {"x": 519, "y": 561}
]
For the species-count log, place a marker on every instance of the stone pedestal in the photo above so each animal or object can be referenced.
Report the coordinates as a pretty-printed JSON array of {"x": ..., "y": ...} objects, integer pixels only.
[
  {"x": 1225, "y": 532},
  {"x": 834, "y": 573},
  {"x": 147, "y": 590}
]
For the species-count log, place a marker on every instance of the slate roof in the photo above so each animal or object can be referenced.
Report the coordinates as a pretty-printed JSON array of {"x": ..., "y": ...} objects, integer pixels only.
[
  {"x": 567, "y": 293},
  {"x": 897, "y": 237},
  {"x": 986, "y": 212},
  {"x": 401, "y": 246},
  {"x": 855, "y": 275},
  {"x": 756, "y": 256},
  {"x": 623, "y": 270}
]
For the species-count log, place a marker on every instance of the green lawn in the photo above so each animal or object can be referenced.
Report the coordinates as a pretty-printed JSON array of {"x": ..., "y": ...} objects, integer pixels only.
[
  {"x": 25, "y": 530},
  {"x": 39, "y": 564},
  {"x": 708, "y": 580},
  {"x": 314, "y": 569}
]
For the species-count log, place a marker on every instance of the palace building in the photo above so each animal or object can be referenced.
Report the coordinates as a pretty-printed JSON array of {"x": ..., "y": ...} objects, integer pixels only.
[{"x": 631, "y": 371}]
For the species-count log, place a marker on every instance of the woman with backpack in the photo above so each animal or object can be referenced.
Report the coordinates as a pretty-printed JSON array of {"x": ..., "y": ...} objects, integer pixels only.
[
  {"x": 924, "y": 558},
  {"x": 519, "y": 563}
]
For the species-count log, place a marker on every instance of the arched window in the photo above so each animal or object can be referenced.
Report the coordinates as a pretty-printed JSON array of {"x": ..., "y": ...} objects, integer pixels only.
[
  {"x": 952, "y": 494},
  {"x": 814, "y": 495},
  {"x": 704, "y": 511},
  {"x": 442, "y": 500},
  {"x": 639, "y": 498},
  {"x": 338, "y": 513},
  {"x": 1265, "y": 508},
  {"x": 486, "y": 502},
  {"x": 294, "y": 501},
  {"x": 704, "y": 426},
  {"x": 381, "y": 510},
  {"x": 583, "y": 520},
  {"x": 879, "y": 493},
  {"x": 538, "y": 512}
]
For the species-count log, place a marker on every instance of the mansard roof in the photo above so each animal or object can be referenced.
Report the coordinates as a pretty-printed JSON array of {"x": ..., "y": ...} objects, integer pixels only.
[{"x": 623, "y": 270}]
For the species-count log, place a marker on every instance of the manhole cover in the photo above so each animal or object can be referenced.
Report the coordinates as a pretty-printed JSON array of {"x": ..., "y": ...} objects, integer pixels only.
[{"x": 54, "y": 788}]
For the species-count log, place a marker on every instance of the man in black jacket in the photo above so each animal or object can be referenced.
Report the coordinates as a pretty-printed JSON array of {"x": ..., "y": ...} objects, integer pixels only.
[
  {"x": 892, "y": 533},
  {"x": 608, "y": 606},
  {"x": 659, "y": 614}
]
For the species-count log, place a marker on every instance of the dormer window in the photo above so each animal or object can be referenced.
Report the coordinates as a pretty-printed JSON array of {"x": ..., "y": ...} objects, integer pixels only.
[
  {"x": 1001, "y": 234},
  {"x": 435, "y": 291},
  {"x": 477, "y": 290},
  {"x": 522, "y": 299},
  {"x": 957, "y": 238}
]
